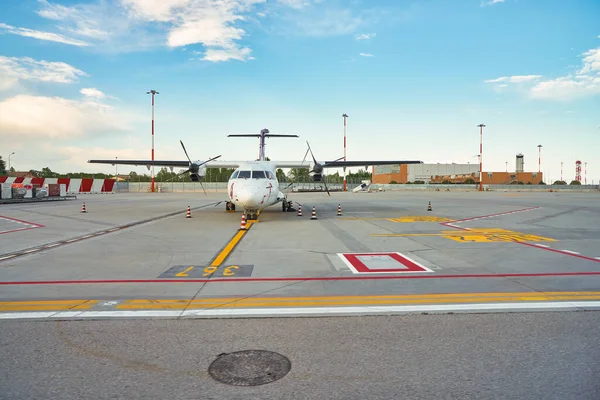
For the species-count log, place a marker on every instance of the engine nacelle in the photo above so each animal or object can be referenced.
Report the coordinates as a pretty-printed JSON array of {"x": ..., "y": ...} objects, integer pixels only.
[
  {"x": 197, "y": 176},
  {"x": 317, "y": 177}
]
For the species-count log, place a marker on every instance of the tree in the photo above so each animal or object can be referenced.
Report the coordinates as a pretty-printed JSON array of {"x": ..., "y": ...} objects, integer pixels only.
[
  {"x": 2, "y": 166},
  {"x": 280, "y": 175},
  {"x": 299, "y": 174},
  {"x": 559, "y": 183},
  {"x": 575, "y": 183}
]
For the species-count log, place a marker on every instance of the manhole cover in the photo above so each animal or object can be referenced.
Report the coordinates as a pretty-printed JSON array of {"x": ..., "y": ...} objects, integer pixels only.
[{"x": 249, "y": 367}]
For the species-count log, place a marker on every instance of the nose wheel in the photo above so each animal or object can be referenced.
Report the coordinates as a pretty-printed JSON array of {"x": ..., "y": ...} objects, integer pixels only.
[
  {"x": 287, "y": 206},
  {"x": 229, "y": 206}
]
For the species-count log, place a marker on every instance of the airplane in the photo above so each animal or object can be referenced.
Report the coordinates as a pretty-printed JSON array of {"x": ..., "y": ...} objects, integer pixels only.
[{"x": 253, "y": 186}]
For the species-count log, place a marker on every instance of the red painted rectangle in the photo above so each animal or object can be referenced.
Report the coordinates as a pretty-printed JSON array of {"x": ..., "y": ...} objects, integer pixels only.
[
  {"x": 64, "y": 181},
  {"x": 19, "y": 180},
  {"x": 406, "y": 265},
  {"x": 86, "y": 185},
  {"x": 108, "y": 185},
  {"x": 37, "y": 181},
  {"x": 3, "y": 179}
]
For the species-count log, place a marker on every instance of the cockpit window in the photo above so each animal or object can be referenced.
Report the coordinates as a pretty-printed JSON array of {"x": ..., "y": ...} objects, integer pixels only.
[
  {"x": 258, "y": 174},
  {"x": 234, "y": 175},
  {"x": 269, "y": 175},
  {"x": 244, "y": 174}
]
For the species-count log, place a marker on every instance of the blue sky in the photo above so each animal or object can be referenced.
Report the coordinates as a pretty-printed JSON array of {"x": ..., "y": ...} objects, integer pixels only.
[{"x": 415, "y": 77}]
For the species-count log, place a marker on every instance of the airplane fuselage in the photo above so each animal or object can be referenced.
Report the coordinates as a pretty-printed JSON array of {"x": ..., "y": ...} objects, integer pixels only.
[{"x": 253, "y": 187}]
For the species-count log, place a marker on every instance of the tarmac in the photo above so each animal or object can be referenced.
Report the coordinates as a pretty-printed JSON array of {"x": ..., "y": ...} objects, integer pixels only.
[
  {"x": 487, "y": 295},
  {"x": 138, "y": 255}
]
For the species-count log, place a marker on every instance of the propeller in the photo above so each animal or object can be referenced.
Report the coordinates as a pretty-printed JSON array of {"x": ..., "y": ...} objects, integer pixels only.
[
  {"x": 194, "y": 168},
  {"x": 302, "y": 163},
  {"x": 318, "y": 168}
]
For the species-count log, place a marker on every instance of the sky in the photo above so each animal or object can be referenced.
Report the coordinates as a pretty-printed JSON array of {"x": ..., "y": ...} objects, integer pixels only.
[{"x": 415, "y": 77}]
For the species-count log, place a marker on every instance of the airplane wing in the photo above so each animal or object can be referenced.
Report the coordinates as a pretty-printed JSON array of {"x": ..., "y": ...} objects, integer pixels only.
[
  {"x": 169, "y": 163},
  {"x": 338, "y": 164}
]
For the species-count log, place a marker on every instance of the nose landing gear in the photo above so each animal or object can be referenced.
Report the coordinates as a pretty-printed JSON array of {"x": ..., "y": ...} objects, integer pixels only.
[
  {"x": 287, "y": 206},
  {"x": 229, "y": 206}
]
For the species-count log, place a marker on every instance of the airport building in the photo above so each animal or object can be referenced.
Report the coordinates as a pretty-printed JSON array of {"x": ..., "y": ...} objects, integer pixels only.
[{"x": 453, "y": 173}]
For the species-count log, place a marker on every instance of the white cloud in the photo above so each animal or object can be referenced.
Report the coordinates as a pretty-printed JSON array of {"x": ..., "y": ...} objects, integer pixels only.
[
  {"x": 24, "y": 117},
  {"x": 298, "y": 4},
  {"x": 491, "y": 2},
  {"x": 514, "y": 79},
  {"x": 366, "y": 36},
  {"x": 234, "y": 53},
  {"x": 326, "y": 22},
  {"x": 566, "y": 88},
  {"x": 93, "y": 93},
  {"x": 52, "y": 37},
  {"x": 207, "y": 22},
  {"x": 365, "y": 55},
  {"x": 585, "y": 82},
  {"x": 28, "y": 69}
]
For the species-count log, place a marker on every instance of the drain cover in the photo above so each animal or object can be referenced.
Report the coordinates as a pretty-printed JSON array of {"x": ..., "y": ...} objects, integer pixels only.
[{"x": 249, "y": 367}]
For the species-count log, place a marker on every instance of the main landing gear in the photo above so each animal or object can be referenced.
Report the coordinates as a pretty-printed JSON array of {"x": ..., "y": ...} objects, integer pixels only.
[{"x": 287, "y": 206}]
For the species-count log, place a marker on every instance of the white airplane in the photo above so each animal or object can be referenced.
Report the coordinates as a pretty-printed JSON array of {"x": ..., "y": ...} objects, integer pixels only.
[{"x": 253, "y": 186}]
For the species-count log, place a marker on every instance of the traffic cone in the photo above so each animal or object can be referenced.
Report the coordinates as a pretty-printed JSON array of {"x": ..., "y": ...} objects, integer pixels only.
[
  {"x": 299, "y": 210},
  {"x": 339, "y": 209},
  {"x": 83, "y": 207},
  {"x": 243, "y": 224},
  {"x": 429, "y": 207},
  {"x": 189, "y": 213},
  {"x": 314, "y": 214}
]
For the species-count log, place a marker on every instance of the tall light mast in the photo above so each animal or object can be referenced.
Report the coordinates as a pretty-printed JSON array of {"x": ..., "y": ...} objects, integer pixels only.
[
  {"x": 345, "y": 116},
  {"x": 152, "y": 92},
  {"x": 481, "y": 126}
]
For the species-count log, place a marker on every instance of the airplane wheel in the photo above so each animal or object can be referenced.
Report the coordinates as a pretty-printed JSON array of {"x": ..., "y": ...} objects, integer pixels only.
[{"x": 284, "y": 206}]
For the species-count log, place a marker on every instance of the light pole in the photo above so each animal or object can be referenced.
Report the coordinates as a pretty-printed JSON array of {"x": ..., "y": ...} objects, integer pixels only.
[
  {"x": 481, "y": 126},
  {"x": 561, "y": 170},
  {"x": 345, "y": 116},
  {"x": 152, "y": 92},
  {"x": 585, "y": 172},
  {"x": 116, "y": 171},
  {"x": 539, "y": 158},
  {"x": 9, "y": 162},
  {"x": 507, "y": 167}
]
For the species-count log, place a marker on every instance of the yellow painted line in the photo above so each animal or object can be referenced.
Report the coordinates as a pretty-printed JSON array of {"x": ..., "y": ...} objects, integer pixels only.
[
  {"x": 324, "y": 300},
  {"x": 294, "y": 303},
  {"x": 403, "y": 296},
  {"x": 232, "y": 243},
  {"x": 184, "y": 273},
  {"x": 47, "y": 305}
]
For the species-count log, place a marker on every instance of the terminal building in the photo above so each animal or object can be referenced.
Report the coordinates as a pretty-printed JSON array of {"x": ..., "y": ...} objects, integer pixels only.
[{"x": 453, "y": 173}]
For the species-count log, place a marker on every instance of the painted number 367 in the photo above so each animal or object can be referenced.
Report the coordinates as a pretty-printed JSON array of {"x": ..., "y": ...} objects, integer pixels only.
[{"x": 229, "y": 271}]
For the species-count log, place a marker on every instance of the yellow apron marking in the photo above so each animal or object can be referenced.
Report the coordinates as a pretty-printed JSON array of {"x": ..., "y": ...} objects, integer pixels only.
[
  {"x": 485, "y": 235},
  {"x": 418, "y": 218},
  {"x": 184, "y": 273},
  {"x": 320, "y": 301}
]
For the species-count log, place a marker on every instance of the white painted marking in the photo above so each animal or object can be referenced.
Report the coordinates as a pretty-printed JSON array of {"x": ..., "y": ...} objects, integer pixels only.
[
  {"x": 26, "y": 315},
  {"x": 70, "y": 241},
  {"x": 52, "y": 245},
  {"x": 216, "y": 312},
  {"x": 597, "y": 258},
  {"x": 86, "y": 236},
  {"x": 30, "y": 251},
  {"x": 541, "y": 245},
  {"x": 7, "y": 257},
  {"x": 110, "y": 303},
  {"x": 569, "y": 251}
]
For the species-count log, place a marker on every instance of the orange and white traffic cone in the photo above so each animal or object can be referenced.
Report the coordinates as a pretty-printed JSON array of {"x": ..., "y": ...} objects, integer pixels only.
[
  {"x": 429, "y": 207},
  {"x": 83, "y": 207},
  {"x": 339, "y": 209},
  {"x": 299, "y": 210},
  {"x": 243, "y": 224},
  {"x": 189, "y": 213},
  {"x": 314, "y": 214}
]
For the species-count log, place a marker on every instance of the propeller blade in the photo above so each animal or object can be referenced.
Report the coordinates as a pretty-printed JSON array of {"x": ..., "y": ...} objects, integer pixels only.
[
  {"x": 185, "y": 151},
  {"x": 326, "y": 188},
  {"x": 311, "y": 153},
  {"x": 212, "y": 159},
  {"x": 202, "y": 186}
]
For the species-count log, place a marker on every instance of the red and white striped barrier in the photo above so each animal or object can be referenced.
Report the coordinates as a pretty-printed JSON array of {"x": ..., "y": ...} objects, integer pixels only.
[{"x": 74, "y": 185}]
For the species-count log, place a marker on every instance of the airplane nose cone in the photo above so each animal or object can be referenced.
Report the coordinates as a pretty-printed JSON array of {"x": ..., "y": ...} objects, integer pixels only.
[{"x": 248, "y": 196}]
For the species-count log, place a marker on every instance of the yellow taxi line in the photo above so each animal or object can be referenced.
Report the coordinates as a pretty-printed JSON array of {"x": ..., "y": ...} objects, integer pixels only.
[
  {"x": 307, "y": 303},
  {"x": 229, "y": 247},
  {"x": 358, "y": 297}
]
